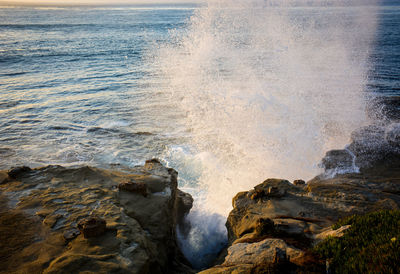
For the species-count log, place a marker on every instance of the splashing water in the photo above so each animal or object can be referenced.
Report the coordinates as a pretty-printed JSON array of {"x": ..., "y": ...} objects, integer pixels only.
[{"x": 266, "y": 88}]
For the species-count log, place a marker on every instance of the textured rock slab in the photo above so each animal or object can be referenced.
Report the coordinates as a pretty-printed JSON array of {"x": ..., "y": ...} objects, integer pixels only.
[
  {"x": 259, "y": 252},
  {"x": 138, "y": 232}
]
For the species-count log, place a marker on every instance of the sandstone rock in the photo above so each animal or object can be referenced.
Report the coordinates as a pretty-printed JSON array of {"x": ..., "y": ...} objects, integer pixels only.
[
  {"x": 92, "y": 227},
  {"x": 134, "y": 187},
  {"x": 259, "y": 252},
  {"x": 140, "y": 231},
  {"x": 264, "y": 226},
  {"x": 298, "y": 217}
]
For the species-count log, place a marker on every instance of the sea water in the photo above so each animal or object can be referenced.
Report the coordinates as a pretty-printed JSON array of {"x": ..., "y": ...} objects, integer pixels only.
[{"x": 228, "y": 93}]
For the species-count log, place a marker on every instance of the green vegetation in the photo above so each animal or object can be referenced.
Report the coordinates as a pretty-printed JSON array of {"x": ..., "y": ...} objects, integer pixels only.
[{"x": 370, "y": 245}]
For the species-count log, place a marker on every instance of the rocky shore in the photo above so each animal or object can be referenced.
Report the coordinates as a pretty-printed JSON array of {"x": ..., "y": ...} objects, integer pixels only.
[
  {"x": 72, "y": 220},
  {"x": 273, "y": 227}
]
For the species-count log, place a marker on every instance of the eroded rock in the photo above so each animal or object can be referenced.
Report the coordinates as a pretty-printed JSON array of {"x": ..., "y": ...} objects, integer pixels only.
[
  {"x": 279, "y": 216},
  {"x": 134, "y": 234}
]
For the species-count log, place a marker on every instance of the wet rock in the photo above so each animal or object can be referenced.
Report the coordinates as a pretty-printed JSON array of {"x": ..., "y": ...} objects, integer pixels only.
[
  {"x": 299, "y": 182},
  {"x": 393, "y": 136},
  {"x": 71, "y": 234},
  {"x": 371, "y": 144},
  {"x": 135, "y": 187},
  {"x": 18, "y": 171},
  {"x": 184, "y": 203},
  {"x": 92, "y": 227},
  {"x": 337, "y": 159}
]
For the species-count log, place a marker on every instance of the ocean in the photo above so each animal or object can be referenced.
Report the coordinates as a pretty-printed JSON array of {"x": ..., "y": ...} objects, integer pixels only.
[{"x": 227, "y": 93}]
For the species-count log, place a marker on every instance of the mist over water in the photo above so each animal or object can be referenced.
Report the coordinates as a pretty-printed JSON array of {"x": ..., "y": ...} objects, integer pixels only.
[{"x": 265, "y": 89}]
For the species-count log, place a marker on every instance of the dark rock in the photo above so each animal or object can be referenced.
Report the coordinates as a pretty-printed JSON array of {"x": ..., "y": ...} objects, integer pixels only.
[
  {"x": 370, "y": 145},
  {"x": 135, "y": 187},
  {"x": 393, "y": 136},
  {"x": 71, "y": 234},
  {"x": 153, "y": 161},
  {"x": 299, "y": 182},
  {"x": 337, "y": 159},
  {"x": 258, "y": 194},
  {"x": 280, "y": 256},
  {"x": 264, "y": 226},
  {"x": 92, "y": 227},
  {"x": 274, "y": 191},
  {"x": 18, "y": 171},
  {"x": 184, "y": 203}
]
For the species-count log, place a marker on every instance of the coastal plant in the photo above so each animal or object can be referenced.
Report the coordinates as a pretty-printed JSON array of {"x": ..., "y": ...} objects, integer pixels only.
[{"x": 370, "y": 245}]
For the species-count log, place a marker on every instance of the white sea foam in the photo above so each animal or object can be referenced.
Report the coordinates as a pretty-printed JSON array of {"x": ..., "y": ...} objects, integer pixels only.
[{"x": 267, "y": 87}]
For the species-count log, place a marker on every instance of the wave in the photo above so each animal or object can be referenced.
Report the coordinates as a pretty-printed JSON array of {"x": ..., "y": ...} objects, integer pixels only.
[{"x": 266, "y": 89}]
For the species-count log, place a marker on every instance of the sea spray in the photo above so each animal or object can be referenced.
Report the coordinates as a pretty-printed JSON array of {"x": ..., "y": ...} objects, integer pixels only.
[{"x": 265, "y": 89}]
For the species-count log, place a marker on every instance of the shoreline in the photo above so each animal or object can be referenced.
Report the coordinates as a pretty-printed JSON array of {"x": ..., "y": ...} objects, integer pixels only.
[{"x": 141, "y": 210}]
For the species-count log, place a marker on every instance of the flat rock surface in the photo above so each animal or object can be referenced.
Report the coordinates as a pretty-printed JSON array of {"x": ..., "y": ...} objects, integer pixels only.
[{"x": 40, "y": 210}]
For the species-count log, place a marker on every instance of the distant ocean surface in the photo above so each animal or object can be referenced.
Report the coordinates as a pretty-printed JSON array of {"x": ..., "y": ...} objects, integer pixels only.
[
  {"x": 78, "y": 85},
  {"x": 75, "y": 85}
]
